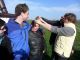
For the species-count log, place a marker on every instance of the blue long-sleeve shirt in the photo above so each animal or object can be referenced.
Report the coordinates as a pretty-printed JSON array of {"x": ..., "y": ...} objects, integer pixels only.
[{"x": 18, "y": 36}]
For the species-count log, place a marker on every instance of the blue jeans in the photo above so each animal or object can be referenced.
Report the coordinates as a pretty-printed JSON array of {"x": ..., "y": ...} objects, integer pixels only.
[{"x": 20, "y": 55}]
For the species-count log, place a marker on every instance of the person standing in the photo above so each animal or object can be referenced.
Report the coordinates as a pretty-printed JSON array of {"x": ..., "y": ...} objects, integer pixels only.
[
  {"x": 53, "y": 35},
  {"x": 18, "y": 32},
  {"x": 65, "y": 35},
  {"x": 5, "y": 43},
  {"x": 36, "y": 42}
]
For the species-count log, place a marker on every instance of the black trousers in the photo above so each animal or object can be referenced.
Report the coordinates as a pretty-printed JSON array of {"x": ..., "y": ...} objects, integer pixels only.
[
  {"x": 57, "y": 57},
  {"x": 36, "y": 57}
]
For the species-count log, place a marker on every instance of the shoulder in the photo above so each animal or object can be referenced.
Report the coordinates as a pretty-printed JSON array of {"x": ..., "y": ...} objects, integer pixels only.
[
  {"x": 12, "y": 25},
  {"x": 27, "y": 25},
  {"x": 11, "y": 22},
  {"x": 6, "y": 39}
]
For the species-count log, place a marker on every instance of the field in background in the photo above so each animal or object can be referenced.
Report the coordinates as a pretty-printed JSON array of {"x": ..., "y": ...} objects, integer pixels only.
[{"x": 76, "y": 47}]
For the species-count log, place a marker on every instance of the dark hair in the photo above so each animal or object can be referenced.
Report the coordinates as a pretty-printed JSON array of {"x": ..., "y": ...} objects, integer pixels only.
[
  {"x": 21, "y": 8},
  {"x": 33, "y": 23},
  {"x": 71, "y": 17},
  {"x": 2, "y": 22}
]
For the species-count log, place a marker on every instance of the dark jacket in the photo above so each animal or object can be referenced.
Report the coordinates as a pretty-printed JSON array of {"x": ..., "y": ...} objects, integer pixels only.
[
  {"x": 53, "y": 35},
  {"x": 6, "y": 49},
  {"x": 36, "y": 42}
]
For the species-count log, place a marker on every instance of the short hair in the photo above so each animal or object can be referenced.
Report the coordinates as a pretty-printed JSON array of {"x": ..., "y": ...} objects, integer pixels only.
[
  {"x": 33, "y": 23},
  {"x": 71, "y": 17},
  {"x": 21, "y": 8},
  {"x": 2, "y": 22}
]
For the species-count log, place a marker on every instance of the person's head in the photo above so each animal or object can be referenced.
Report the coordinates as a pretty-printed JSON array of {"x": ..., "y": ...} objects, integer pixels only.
[
  {"x": 69, "y": 17},
  {"x": 35, "y": 26},
  {"x": 2, "y": 27},
  {"x": 22, "y": 10}
]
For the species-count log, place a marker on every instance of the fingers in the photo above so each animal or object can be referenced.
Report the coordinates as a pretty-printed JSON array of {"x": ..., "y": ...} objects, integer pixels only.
[{"x": 39, "y": 20}]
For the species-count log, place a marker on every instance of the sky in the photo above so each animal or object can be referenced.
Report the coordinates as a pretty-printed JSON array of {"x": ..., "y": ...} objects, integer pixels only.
[{"x": 50, "y": 9}]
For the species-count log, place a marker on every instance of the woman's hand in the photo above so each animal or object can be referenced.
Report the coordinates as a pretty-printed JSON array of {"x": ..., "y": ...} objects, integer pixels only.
[{"x": 39, "y": 20}]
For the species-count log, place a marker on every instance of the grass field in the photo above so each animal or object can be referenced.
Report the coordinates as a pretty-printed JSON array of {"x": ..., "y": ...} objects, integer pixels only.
[{"x": 76, "y": 47}]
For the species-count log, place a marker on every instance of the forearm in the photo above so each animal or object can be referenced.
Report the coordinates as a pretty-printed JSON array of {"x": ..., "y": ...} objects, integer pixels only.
[
  {"x": 49, "y": 22},
  {"x": 53, "y": 23},
  {"x": 64, "y": 31},
  {"x": 46, "y": 25}
]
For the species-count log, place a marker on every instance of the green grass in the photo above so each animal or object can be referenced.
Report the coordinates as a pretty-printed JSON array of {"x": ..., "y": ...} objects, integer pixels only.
[
  {"x": 76, "y": 47},
  {"x": 46, "y": 37},
  {"x": 76, "y": 55},
  {"x": 77, "y": 40}
]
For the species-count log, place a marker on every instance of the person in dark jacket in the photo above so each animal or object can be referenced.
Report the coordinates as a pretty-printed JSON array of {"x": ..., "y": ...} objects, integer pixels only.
[
  {"x": 5, "y": 44},
  {"x": 36, "y": 42}
]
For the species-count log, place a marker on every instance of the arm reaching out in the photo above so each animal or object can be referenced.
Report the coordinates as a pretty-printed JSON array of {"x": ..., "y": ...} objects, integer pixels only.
[
  {"x": 64, "y": 31},
  {"x": 43, "y": 23}
]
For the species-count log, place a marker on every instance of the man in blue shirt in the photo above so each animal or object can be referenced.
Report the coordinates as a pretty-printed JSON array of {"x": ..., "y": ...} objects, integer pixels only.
[{"x": 18, "y": 32}]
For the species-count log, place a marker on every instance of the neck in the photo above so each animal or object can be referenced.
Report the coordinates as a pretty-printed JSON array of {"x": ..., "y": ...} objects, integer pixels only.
[
  {"x": 19, "y": 20},
  {"x": 33, "y": 30}
]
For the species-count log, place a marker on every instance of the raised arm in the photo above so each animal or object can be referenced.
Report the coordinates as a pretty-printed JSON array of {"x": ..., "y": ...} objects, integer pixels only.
[{"x": 64, "y": 31}]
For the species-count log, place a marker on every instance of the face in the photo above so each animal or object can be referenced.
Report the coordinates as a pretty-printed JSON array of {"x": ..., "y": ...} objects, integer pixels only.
[
  {"x": 25, "y": 15},
  {"x": 35, "y": 28},
  {"x": 2, "y": 30},
  {"x": 61, "y": 19},
  {"x": 64, "y": 20}
]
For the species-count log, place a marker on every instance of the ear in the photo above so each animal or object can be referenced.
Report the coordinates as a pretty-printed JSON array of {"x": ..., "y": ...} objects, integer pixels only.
[
  {"x": 22, "y": 13},
  {"x": 66, "y": 20}
]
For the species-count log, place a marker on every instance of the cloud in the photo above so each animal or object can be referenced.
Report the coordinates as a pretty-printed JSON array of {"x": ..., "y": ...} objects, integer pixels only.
[
  {"x": 69, "y": 8},
  {"x": 49, "y": 12},
  {"x": 10, "y": 4},
  {"x": 37, "y": 8}
]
